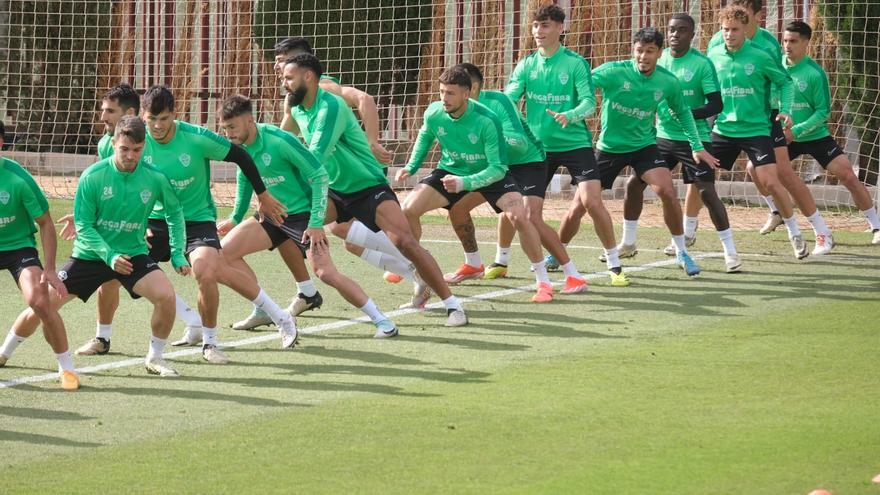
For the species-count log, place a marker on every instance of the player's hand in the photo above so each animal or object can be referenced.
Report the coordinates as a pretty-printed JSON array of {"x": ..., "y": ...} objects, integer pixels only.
[
  {"x": 121, "y": 264},
  {"x": 401, "y": 175},
  {"x": 559, "y": 117},
  {"x": 51, "y": 277},
  {"x": 453, "y": 183},
  {"x": 271, "y": 208},
  {"x": 68, "y": 231},
  {"x": 225, "y": 226},
  {"x": 789, "y": 136},
  {"x": 786, "y": 120},
  {"x": 317, "y": 249},
  {"x": 315, "y": 236},
  {"x": 183, "y": 270},
  {"x": 383, "y": 155},
  {"x": 705, "y": 157}
]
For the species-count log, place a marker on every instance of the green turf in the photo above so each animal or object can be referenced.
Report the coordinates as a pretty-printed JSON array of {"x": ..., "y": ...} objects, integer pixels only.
[{"x": 762, "y": 382}]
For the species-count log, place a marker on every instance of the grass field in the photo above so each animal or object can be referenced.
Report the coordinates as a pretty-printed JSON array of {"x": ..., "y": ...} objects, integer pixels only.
[{"x": 763, "y": 382}]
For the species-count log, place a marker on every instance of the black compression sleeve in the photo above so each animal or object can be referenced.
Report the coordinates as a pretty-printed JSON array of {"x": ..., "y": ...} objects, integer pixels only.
[{"x": 240, "y": 157}]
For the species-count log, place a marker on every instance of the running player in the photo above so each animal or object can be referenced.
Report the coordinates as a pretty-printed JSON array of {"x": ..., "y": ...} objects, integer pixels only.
[
  {"x": 358, "y": 187},
  {"x": 473, "y": 159},
  {"x": 559, "y": 96},
  {"x": 746, "y": 73},
  {"x": 297, "y": 178},
  {"x": 701, "y": 92},
  {"x": 21, "y": 204},
  {"x": 812, "y": 108}
]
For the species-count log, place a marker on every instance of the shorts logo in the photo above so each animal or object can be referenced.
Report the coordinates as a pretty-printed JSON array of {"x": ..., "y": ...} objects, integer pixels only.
[
  {"x": 26, "y": 260},
  {"x": 145, "y": 196},
  {"x": 473, "y": 138},
  {"x": 658, "y": 94},
  {"x": 687, "y": 75},
  {"x": 832, "y": 151},
  {"x": 108, "y": 193},
  {"x": 761, "y": 157},
  {"x": 563, "y": 78},
  {"x": 441, "y": 131},
  {"x": 526, "y": 188},
  {"x": 508, "y": 186},
  {"x": 185, "y": 159},
  {"x": 749, "y": 68},
  {"x": 658, "y": 162},
  {"x": 267, "y": 159},
  {"x": 802, "y": 86},
  {"x": 779, "y": 139},
  {"x": 151, "y": 265},
  {"x": 62, "y": 275},
  {"x": 4, "y": 197},
  {"x": 533, "y": 75},
  {"x": 379, "y": 195}
]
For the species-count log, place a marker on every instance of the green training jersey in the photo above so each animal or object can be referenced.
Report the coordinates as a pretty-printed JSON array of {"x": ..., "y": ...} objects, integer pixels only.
[
  {"x": 561, "y": 83},
  {"x": 21, "y": 202},
  {"x": 471, "y": 146},
  {"x": 697, "y": 77},
  {"x": 111, "y": 209},
  {"x": 291, "y": 174},
  {"x": 334, "y": 135},
  {"x": 812, "y": 100},
  {"x": 522, "y": 146},
  {"x": 764, "y": 40},
  {"x": 745, "y": 77},
  {"x": 630, "y": 101},
  {"x": 105, "y": 147},
  {"x": 186, "y": 161}
]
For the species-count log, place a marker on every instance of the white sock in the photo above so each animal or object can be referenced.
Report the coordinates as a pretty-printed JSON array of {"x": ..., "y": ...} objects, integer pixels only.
[
  {"x": 360, "y": 235},
  {"x": 209, "y": 336},
  {"x": 157, "y": 347},
  {"x": 371, "y": 310},
  {"x": 473, "y": 259},
  {"x": 275, "y": 312},
  {"x": 818, "y": 223},
  {"x": 630, "y": 228},
  {"x": 726, "y": 238},
  {"x": 186, "y": 314},
  {"x": 873, "y": 219},
  {"x": 540, "y": 269},
  {"x": 452, "y": 302},
  {"x": 388, "y": 263},
  {"x": 65, "y": 363},
  {"x": 678, "y": 240},
  {"x": 307, "y": 288},
  {"x": 11, "y": 342},
  {"x": 690, "y": 226},
  {"x": 792, "y": 226},
  {"x": 104, "y": 331},
  {"x": 611, "y": 258},
  {"x": 570, "y": 270},
  {"x": 771, "y": 204},
  {"x": 502, "y": 255}
]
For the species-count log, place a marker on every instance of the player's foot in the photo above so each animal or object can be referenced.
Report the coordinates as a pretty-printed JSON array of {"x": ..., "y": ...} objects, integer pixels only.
[
  {"x": 574, "y": 285},
  {"x": 464, "y": 272},
  {"x": 824, "y": 244},
  {"x": 551, "y": 263},
  {"x": 456, "y": 318},
  {"x": 191, "y": 336},
  {"x": 385, "y": 329},
  {"x": 421, "y": 294},
  {"x": 543, "y": 293},
  {"x": 69, "y": 380},
  {"x": 774, "y": 220},
  {"x": 619, "y": 279},
  {"x": 495, "y": 270},
  {"x": 801, "y": 250},
  {"x": 623, "y": 251},
  {"x": 688, "y": 242},
  {"x": 214, "y": 355},
  {"x": 3, "y": 360},
  {"x": 685, "y": 261},
  {"x": 158, "y": 366},
  {"x": 97, "y": 345},
  {"x": 257, "y": 318},
  {"x": 392, "y": 278},
  {"x": 289, "y": 334},
  {"x": 301, "y": 303},
  {"x": 733, "y": 263},
  {"x": 876, "y": 240}
]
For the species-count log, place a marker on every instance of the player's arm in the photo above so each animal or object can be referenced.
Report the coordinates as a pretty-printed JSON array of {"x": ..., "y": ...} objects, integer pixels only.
[
  {"x": 496, "y": 156},
  {"x": 369, "y": 113},
  {"x": 85, "y": 215},
  {"x": 243, "y": 193},
  {"x": 583, "y": 82},
  {"x": 49, "y": 240},
  {"x": 516, "y": 84},
  {"x": 712, "y": 91},
  {"x": 516, "y": 136},
  {"x": 779, "y": 77},
  {"x": 820, "y": 100},
  {"x": 176, "y": 224},
  {"x": 268, "y": 205},
  {"x": 317, "y": 177},
  {"x": 424, "y": 143},
  {"x": 682, "y": 113},
  {"x": 288, "y": 123}
]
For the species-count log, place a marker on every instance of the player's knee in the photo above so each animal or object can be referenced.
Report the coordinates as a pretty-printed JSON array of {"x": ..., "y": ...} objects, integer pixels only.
[
  {"x": 590, "y": 204},
  {"x": 666, "y": 193},
  {"x": 206, "y": 277},
  {"x": 40, "y": 303}
]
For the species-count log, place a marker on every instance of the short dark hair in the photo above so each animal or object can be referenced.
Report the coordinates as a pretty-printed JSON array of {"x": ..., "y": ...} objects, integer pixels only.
[
  {"x": 306, "y": 61},
  {"x": 131, "y": 127},
  {"x": 125, "y": 96},
  {"x": 550, "y": 12},
  {"x": 753, "y": 5},
  {"x": 647, "y": 35},
  {"x": 456, "y": 75},
  {"x": 294, "y": 43},
  {"x": 684, "y": 17},
  {"x": 473, "y": 71},
  {"x": 733, "y": 12},
  {"x": 801, "y": 28},
  {"x": 157, "y": 99},
  {"x": 235, "y": 106}
]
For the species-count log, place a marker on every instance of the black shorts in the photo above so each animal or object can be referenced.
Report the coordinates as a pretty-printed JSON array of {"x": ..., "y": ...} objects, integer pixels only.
[
  {"x": 776, "y": 133},
  {"x": 675, "y": 152},
  {"x": 292, "y": 229},
  {"x": 580, "y": 162},
  {"x": 531, "y": 178},
  {"x": 17, "y": 260},
  {"x": 362, "y": 204},
  {"x": 198, "y": 234},
  {"x": 83, "y": 277},
  {"x": 610, "y": 164},
  {"x": 492, "y": 192},
  {"x": 823, "y": 150},
  {"x": 758, "y": 148}
]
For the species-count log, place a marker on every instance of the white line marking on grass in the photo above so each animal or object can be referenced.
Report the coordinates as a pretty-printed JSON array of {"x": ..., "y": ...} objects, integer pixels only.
[{"x": 329, "y": 326}]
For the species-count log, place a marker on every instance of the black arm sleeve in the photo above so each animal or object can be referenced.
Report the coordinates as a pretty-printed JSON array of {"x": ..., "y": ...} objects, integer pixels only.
[
  {"x": 240, "y": 157},
  {"x": 712, "y": 107}
]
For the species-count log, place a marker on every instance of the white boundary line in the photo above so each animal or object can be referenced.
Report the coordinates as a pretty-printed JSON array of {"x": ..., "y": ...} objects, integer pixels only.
[{"x": 334, "y": 325}]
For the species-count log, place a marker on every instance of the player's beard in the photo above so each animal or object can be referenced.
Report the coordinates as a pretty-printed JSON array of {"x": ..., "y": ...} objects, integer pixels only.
[{"x": 296, "y": 96}]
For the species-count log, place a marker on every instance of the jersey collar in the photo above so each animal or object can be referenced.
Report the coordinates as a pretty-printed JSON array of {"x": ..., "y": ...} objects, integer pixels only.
[{"x": 257, "y": 145}]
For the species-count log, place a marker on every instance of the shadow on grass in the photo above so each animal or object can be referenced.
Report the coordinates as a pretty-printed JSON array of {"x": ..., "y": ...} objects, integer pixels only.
[
  {"x": 34, "y": 413},
  {"x": 38, "y": 439}
]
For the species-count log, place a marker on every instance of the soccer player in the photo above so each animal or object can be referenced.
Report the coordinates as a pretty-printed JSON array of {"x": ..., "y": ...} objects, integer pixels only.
[
  {"x": 22, "y": 203},
  {"x": 746, "y": 73},
  {"x": 473, "y": 159},
  {"x": 559, "y": 96},
  {"x": 527, "y": 168},
  {"x": 358, "y": 187},
  {"x": 702, "y": 94},
  {"x": 812, "y": 108},
  {"x": 761, "y": 38},
  {"x": 295, "y": 176}
]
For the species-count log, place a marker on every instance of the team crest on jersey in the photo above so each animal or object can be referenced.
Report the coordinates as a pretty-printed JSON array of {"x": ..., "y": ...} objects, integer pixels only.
[
  {"x": 473, "y": 138},
  {"x": 4, "y": 197},
  {"x": 687, "y": 75},
  {"x": 749, "y": 68},
  {"x": 657, "y": 95},
  {"x": 145, "y": 196},
  {"x": 441, "y": 131},
  {"x": 533, "y": 75},
  {"x": 185, "y": 159},
  {"x": 267, "y": 159},
  {"x": 626, "y": 85},
  {"x": 802, "y": 86},
  {"x": 563, "y": 78}
]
